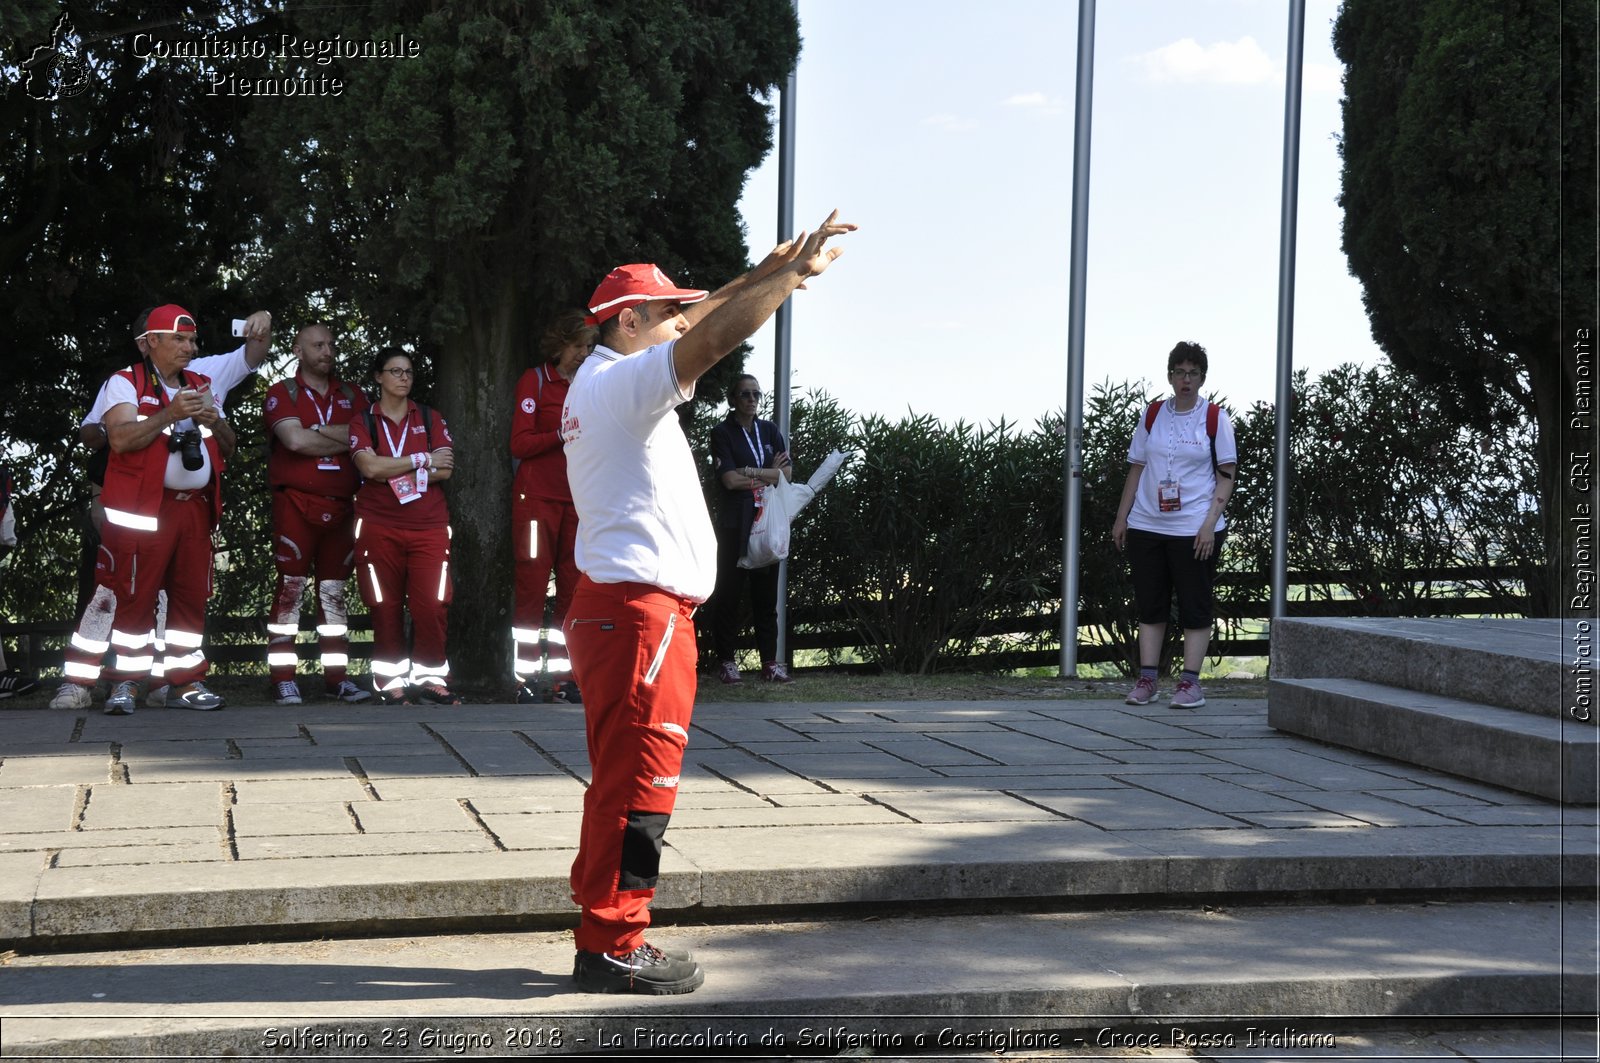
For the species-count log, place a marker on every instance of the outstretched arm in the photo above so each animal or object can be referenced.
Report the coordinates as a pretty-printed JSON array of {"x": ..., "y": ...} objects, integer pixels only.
[{"x": 731, "y": 322}]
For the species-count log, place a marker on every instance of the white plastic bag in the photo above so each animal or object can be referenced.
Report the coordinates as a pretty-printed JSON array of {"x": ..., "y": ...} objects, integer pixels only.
[{"x": 779, "y": 502}]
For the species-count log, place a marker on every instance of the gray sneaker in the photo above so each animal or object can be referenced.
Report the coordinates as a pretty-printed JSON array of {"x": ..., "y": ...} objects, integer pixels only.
[
  {"x": 194, "y": 696},
  {"x": 124, "y": 697},
  {"x": 157, "y": 698},
  {"x": 646, "y": 969},
  {"x": 72, "y": 696}
]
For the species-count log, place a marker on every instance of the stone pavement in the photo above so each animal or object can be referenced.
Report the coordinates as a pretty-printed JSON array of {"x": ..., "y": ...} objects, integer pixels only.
[{"x": 171, "y": 831}]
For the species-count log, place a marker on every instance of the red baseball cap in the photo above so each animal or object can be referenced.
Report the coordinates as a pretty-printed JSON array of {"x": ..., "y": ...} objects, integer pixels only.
[
  {"x": 641, "y": 282},
  {"x": 169, "y": 318}
]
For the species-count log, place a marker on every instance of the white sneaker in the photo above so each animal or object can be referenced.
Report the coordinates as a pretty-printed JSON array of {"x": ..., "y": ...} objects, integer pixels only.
[
  {"x": 288, "y": 693},
  {"x": 123, "y": 699},
  {"x": 72, "y": 696}
]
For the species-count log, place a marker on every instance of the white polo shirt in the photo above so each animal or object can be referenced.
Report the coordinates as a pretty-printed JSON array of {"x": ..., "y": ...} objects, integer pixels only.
[{"x": 641, "y": 513}]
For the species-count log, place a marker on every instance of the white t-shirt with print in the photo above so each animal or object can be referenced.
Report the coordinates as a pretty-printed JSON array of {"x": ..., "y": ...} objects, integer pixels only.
[
  {"x": 227, "y": 371},
  {"x": 1177, "y": 448},
  {"x": 119, "y": 390}
]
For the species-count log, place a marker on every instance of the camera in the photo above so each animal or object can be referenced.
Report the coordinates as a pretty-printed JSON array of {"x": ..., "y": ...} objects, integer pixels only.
[{"x": 189, "y": 443}]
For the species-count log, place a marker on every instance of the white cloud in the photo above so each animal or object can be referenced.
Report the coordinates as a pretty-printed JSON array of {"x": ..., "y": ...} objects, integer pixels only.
[
  {"x": 1323, "y": 78},
  {"x": 951, "y": 123},
  {"x": 1225, "y": 63},
  {"x": 1036, "y": 102}
]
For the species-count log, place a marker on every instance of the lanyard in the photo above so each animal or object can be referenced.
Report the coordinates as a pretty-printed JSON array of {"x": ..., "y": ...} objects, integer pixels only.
[
  {"x": 755, "y": 444},
  {"x": 395, "y": 448},
  {"x": 312, "y": 395}
]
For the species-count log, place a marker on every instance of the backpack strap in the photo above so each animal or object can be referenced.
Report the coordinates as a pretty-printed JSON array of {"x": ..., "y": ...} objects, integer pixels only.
[
  {"x": 293, "y": 388},
  {"x": 1151, "y": 412}
]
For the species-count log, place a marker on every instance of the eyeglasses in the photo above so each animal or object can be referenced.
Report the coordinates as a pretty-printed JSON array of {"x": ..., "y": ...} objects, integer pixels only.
[
  {"x": 1188, "y": 374},
  {"x": 398, "y": 373},
  {"x": 749, "y": 394}
]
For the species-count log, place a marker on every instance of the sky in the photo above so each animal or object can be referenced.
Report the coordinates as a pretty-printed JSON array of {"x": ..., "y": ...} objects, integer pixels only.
[{"x": 945, "y": 130}]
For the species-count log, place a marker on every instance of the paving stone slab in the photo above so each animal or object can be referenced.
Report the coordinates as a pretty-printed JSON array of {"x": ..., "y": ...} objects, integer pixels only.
[
  {"x": 350, "y": 845},
  {"x": 484, "y": 791},
  {"x": 19, "y": 881},
  {"x": 127, "y": 855},
  {"x": 185, "y": 804},
  {"x": 394, "y": 817},
  {"x": 132, "y": 838},
  {"x": 63, "y": 770},
  {"x": 266, "y": 821},
  {"x": 1127, "y": 808},
  {"x": 777, "y": 819},
  {"x": 972, "y": 806},
  {"x": 180, "y": 771},
  {"x": 38, "y": 808},
  {"x": 1217, "y": 795},
  {"x": 298, "y": 791},
  {"x": 546, "y": 830}
]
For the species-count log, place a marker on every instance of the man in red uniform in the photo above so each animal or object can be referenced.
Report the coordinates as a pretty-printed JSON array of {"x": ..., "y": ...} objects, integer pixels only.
[
  {"x": 544, "y": 524},
  {"x": 649, "y": 557},
  {"x": 314, "y": 483},
  {"x": 162, "y": 499}
]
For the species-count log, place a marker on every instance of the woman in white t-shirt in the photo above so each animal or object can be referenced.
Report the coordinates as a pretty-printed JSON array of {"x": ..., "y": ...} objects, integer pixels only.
[{"x": 1180, "y": 473}]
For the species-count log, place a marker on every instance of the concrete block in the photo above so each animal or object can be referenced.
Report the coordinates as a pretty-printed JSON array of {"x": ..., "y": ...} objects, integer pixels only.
[
  {"x": 19, "y": 881},
  {"x": 1504, "y": 747},
  {"x": 1126, "y": 809},
  {"x": 309, "y": 846}
]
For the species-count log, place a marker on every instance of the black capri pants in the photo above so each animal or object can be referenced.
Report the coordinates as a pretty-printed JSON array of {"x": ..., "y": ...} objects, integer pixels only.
[{"x": 1162, "y": 563}]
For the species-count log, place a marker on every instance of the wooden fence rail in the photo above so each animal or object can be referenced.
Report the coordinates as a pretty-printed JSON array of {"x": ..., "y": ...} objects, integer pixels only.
[{"x": 234, "y": 640}]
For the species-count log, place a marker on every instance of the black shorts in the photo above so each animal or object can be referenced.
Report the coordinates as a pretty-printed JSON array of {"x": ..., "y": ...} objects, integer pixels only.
[{"x": 1164, "y": 563}]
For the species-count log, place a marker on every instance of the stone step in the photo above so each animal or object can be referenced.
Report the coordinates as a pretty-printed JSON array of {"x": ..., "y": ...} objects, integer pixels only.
[
  {"x": 1551, "y": 758},
  {"x": 1133, "y": 982},
  {"x": 1511, "y": 663}
]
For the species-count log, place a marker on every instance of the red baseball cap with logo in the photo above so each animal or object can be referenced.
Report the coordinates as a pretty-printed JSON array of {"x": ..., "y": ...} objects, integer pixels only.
[
  {"x": 641, "y": 282},
  {"x": 169, "y": 318}
]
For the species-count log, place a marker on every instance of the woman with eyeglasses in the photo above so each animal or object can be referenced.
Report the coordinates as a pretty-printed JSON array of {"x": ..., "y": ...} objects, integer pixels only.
[
  {"x": 1180, "y": 473},
  {"x": 404, "y": 453},
  {"x": 748, "y": 452},
  {"x": 544, "y": 524}
]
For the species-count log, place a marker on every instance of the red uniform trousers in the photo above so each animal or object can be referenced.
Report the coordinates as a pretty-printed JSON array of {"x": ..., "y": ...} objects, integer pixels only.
[
  {"x": 90, "y": 641},
  {"x": 397, "y": 568},
  {"x": 544, "y": 534},
  {"x": 633, "y": 650},
  {"x": 313, "y": 533},
  {"x": 175, "y": 557}
]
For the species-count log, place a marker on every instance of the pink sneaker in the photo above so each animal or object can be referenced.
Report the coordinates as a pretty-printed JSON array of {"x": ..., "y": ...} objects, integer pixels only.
[
  {"x": 1143, "y": 692},
  {"x": 1187, "y": 696}
]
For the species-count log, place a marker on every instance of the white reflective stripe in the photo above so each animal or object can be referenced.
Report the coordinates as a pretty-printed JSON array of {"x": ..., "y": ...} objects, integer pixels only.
[
  {"x": 524, "y": 667},
  {"x": 188, "y": 660},
  {"x": 661, "y": 650},
  {"x": 291, "y": 544},
  {"x": 449, "y": 532},
  {"x": 88, "y": 645},
  {"x": 123, "y": 519},
  {"x": 556, "y": 637},
  {"x": 524, "y": 634},
  {"x": 278, "y": 660},
  {"x": 423, "y": 674},
  {"x": 533, "y": 538},
  {"x": 158, "y": 668},
  {"x": 391, "y": 667},
  {"x": 444, "y": 573},
  {"x": 335, "y": 660},
  {"x": 674, "y": 729},
  {"x": 127, "y": 641},
  {"x": 185, "y": 639},
  {"x": 397, "y": 683},
  {"x": 377, "y": 588},
  {"x": 358, "y": 527},
  {"x": 558, "y": 667},
  {"x": 81, "y": 671},
  {"x": 333, "y": 631},
  {"x": 290, "y": 630},
  {"x": 133, "y": 664}
]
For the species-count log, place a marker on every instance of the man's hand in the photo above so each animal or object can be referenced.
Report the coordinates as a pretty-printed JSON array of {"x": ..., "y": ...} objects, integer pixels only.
[
  {"x": 811, "y": 258},
  {"x": 190, "y": 403}
]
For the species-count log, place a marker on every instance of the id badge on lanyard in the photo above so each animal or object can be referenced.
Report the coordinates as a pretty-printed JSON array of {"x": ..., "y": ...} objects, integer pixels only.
[
  {"x": 413, "y": 485},
  {"x": 326, "y": 462}
]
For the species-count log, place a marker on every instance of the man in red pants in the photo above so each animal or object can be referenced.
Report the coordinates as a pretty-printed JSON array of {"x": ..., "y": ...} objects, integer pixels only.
[
  {"x": 162, "y": 499},
  {"x": 314, "y": 483},
  {"x": 649, "y": 557}
]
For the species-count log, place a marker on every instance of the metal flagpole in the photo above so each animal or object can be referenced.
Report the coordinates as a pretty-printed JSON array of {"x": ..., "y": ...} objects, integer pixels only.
[
  {"x": 1285, "y": 395},
  {"x": 1080, "y": 241},
  {"x": 781, "y": 353}
]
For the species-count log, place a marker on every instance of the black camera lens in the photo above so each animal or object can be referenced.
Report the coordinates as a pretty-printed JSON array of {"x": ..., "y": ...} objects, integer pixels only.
[{"x": 189, "y": 444}]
